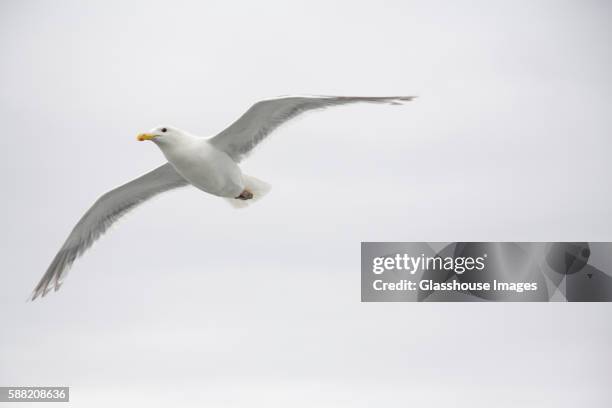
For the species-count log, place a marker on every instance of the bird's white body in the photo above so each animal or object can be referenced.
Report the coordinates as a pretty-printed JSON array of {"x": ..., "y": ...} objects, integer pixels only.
[{"x": 204, "y": 166}]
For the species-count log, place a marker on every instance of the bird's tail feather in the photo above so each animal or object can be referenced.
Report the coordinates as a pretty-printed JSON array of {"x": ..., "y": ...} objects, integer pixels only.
[{"x": 257, "y": 187}]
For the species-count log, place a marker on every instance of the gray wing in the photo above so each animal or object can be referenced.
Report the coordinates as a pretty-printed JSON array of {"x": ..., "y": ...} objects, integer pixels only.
[
  {"x": 265, "y": 116},
  {"x": 108, "y": 209}
]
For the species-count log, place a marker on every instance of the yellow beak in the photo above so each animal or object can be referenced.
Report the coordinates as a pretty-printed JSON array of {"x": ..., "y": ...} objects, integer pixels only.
[{"x": 145, "y": 136}]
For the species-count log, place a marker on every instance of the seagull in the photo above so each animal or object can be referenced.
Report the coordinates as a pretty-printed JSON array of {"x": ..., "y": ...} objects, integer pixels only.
[{"x": 209, "y": 164}]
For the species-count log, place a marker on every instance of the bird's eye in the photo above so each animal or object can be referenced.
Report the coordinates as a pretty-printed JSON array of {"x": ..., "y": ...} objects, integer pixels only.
[{"x": 164, "y": 130}]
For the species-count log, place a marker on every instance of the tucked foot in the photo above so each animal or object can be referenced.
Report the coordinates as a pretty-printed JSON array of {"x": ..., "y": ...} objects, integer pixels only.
[{"x": 245, "y": 195}]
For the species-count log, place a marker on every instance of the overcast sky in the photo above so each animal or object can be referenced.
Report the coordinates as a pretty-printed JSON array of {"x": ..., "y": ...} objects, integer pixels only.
[{"x": 188, "y": 302}]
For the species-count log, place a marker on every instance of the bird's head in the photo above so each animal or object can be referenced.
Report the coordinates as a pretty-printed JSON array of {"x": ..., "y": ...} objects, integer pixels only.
[{"x": 162, "y": 135}]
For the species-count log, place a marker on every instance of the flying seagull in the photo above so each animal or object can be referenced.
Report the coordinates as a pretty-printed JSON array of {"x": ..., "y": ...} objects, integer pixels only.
[{"x": 208, "y": 164}]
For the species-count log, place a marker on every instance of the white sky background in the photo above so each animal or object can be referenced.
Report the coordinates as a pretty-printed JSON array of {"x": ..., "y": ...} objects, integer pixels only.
[{"x": 190, "y": 303}]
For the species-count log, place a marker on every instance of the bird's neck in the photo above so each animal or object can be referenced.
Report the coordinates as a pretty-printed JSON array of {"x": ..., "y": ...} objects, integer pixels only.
[{"x": 176, "y": 148}]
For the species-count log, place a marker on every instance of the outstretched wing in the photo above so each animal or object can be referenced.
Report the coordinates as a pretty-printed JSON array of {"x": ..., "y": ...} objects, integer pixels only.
[
  {"x": 109, "y": 208},
  {"x": 265, "y": 116}
]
